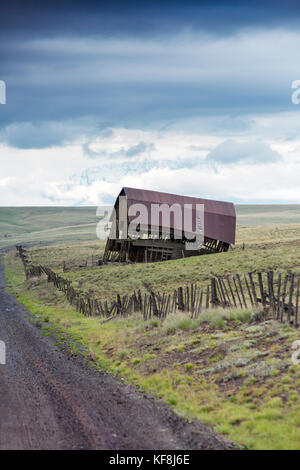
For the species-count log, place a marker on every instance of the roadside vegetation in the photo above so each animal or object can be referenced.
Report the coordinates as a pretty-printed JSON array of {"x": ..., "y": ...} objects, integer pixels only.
[{"x": 225, "y": 367}]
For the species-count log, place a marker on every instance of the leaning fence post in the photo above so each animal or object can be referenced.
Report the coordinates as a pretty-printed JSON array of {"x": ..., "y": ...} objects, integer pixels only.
[
  {"x": 237, "y": 292},
  {"x": 278, "y": 296},
  {"x": 291, "y": 297},
  {"x": 261, "y": 288},
  {"x": 213, "y": 290},
  {"x": 271, "y": 291},
  {"x": 207, "y": 298},
  {"x": 180, "y": 299},
  {"x": 297, "y": 302},
  {"x": 225, "y": 292},
  {"x": 253, "y": 288},
  {"x": 241, "y": 289},
  {"x": 231, "y": 291},
  {"x": 283, "y": 297},
  {"x": 248, "y": 289},
  {"x": 221, "y": 292}
]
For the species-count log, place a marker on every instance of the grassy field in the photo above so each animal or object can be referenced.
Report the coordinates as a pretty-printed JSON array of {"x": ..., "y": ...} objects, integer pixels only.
[
  {"x": 225, "y": 368},
  {"x": 45, "y": 225},
  {"x": 266, "y": 248},
  {"x": 249, "y": 215},
  {"x": 41, "y": 225}
]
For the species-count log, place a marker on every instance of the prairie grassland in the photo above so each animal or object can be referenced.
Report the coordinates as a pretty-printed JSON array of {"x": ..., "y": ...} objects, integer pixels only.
[
  {"x": 278, "y": 250},
  {"x": 41, "y": 225},
  {"x": 250, "y": 215},
  {"x": 224, "y": 368},
  {"x": 267, "y": 235},
  {"x": 73, "y": 253},
  {"x": 48, "y": 225}
]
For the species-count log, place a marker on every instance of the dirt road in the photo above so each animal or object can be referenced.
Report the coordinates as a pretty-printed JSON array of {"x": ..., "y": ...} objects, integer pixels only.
[{"x": 49, "y": 400}]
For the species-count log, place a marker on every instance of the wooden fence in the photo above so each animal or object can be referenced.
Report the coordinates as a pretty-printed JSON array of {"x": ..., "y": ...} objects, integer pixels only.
[{"x": 278, "y": 295}]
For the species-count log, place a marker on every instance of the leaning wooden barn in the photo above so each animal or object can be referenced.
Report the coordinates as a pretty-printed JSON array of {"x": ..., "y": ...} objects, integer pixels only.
[{"x": 219, "y": 228}]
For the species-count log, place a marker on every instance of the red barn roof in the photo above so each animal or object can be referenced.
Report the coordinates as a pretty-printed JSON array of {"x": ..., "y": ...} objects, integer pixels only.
[{"x": 219, "y": 216}]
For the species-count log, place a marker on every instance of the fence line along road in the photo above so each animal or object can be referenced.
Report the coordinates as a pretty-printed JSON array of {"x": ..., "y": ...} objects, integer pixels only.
[{"x": 276, "y": 296}]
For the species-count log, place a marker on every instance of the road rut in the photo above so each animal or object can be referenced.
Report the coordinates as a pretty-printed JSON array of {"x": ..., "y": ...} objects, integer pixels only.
[{"x": 51, "y": 400}]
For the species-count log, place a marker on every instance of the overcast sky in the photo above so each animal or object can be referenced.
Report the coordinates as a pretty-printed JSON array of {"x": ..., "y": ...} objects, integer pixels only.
[{"x": 186, "y": 97}]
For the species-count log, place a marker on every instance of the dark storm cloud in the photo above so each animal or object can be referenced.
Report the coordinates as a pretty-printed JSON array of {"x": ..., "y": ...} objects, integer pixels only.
[
  {"x": 41, "y": 134},
  {"x": 138, "y": 63},
  {"x": 123, "y": 17},
  {"x": 133, "y": 81},
  {"x": 27, "y": 135}
]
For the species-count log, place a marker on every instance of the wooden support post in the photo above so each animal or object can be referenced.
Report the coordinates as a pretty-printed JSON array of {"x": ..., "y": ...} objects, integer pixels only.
[
  {"x": 200, "y": 302},
  {"x": 241, "y": 289},
  {"x": 167, "y": 306},
  {"x": 290, "y": 304},
  {"x": 192, "y": 298},
  {"x": 173, "y": 308},
  {"x": 207, "y": 298},
  {"x": 187, "y": 302},
  {"x": 214, "y": 297},
  {"x": 145, "y": 307},
  {"x": 221, "y": 293},
  {"x": 253, "y": 289},
  {"x": 261, "y": 288},
  {"x": 180, "y": 299},
  {"x": 149, "y": 307},
  {"x": 248, "y": 289},
  {"x": 271, "y": 291},
  {"x": 231, "y": 291},
  {"x": 297, "y": 302},
  {"x": 278, "y": 296},
  {"x": 283, "y": 297},
  {"x": 196, "y": 302},
  {"x": 237, "y": 292},
  {"x": 226, "y": 292}
]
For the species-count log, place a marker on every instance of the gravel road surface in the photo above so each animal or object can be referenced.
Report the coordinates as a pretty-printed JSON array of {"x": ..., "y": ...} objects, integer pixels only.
[{"x": 51, "y": 400}]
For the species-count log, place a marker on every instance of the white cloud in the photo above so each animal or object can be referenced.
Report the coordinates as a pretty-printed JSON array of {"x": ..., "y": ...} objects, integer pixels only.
[
  {"x": 231, "y": 152},
  {"x": 64, "y": 175}
]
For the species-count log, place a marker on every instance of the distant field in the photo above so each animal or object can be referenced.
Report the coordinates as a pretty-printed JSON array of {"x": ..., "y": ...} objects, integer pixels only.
[
  {"x": 45, "y": 225},
  {"x": 267, "y": 214},
  {"x": 225, "y": 367}
]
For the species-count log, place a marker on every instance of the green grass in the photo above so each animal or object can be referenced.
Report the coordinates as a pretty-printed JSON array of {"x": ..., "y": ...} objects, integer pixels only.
[
  {"x": 267, "y": 214},
  {"x": 222, "y": 368},
  {"x": 233, "y": 374},
  {"x": 105, "y": 282},
  {"x": 73, "y": 254},
  {"x": 34, "y": 225},
  {"x": 46, "y": 224}
]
